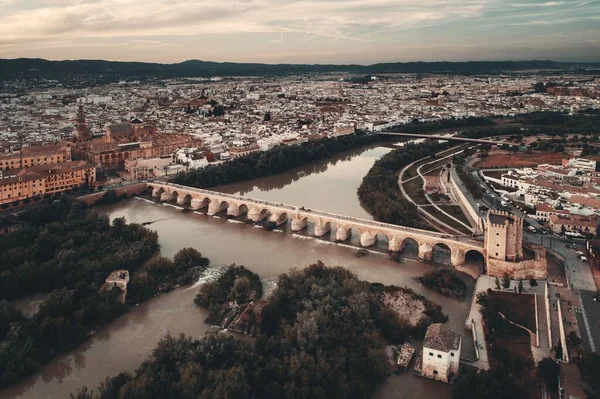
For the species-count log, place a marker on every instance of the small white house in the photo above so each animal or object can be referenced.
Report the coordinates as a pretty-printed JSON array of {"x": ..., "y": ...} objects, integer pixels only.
[{"x": 441, "y": 353}]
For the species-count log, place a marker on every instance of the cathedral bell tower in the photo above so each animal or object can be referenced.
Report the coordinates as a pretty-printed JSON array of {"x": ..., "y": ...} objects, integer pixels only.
[{"x": 80, "y": 125}]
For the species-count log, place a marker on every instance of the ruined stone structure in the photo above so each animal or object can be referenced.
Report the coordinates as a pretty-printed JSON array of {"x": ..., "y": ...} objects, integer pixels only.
[
  {"x": 117, "y": 279},
  {"x": 324, "y": 222}
]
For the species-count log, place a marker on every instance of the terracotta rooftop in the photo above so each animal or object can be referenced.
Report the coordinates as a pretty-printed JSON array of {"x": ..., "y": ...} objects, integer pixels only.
[{"x": 441, "y": 338}]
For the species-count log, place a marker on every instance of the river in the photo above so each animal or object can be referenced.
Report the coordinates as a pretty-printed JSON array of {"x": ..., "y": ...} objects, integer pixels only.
[{"x": 327, "y": 185}]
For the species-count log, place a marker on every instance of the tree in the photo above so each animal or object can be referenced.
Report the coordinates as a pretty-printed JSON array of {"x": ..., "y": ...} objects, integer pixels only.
[
  {"x": 532, "y": 282},
  {"x": 495, "y": 383},
  {"x": 187, "y": 258},
  {"x": 548, "y": 370},
  {"x": 558, "y": 351},
  {"x": 506, "y": 280},
  {"x": 589, "y": 364}
]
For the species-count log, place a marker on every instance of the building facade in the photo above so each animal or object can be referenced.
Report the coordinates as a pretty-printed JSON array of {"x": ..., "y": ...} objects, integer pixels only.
[
  {"x": 130, "y": 141},
  {"x": 36, "y": 155},
  {"x": 441, "y": 353},
  {"x": 23, "y": 183}
]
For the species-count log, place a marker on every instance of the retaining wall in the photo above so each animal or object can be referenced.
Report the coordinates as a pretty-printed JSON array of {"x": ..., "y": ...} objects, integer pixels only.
[
  {"x": 464, "y": 201},
  {"x": 131, "y": 189}
]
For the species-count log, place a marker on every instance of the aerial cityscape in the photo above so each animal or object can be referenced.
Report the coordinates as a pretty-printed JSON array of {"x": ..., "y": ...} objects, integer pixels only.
[{"x": 299, "y": 199}]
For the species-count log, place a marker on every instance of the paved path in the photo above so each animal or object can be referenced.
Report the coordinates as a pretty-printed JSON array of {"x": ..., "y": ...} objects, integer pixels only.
[
  {"x": 481, "y": 285},
  {"x": 419, "y": 206}
]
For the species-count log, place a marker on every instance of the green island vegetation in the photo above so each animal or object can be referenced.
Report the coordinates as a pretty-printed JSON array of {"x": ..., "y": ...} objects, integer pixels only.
[
  {"x": 323, "y": 335},
  {"x": 237, "y": 285},
  {"x": 446, "y": 281},
  {"x": 421, "y": 127},
  {"x": 68, "y": 251},
  {"x": 271, "y": 162},
  {"x": 510, "y": 345},
  {"x": 379, "y": 193}
]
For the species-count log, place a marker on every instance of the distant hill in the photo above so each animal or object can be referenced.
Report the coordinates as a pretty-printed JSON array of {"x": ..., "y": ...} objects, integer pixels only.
[{"x": 110, "y": 70}]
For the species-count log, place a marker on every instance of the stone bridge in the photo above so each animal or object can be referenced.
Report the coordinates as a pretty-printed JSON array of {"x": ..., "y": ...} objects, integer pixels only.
[{"x": 324, "y": 222}]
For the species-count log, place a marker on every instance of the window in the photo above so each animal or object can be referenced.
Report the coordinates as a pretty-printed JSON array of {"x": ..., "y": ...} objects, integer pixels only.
[
  {"x": 452, "y": 354},
  {"x": 430, "y": 353},
  {"x": 497, "y": 245},
  {"x": 496, "y": 253},
  {"x": 434, "y": 372},
  {"x": 439, "y": 356}
]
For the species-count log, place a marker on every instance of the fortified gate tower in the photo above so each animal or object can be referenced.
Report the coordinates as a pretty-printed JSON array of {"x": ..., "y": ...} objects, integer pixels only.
[
  {"x": 504, "y": 236},
  {"x": 504, "y": 249}
]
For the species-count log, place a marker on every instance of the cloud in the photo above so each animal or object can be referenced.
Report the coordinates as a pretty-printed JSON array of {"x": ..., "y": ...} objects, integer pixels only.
[
  {"x": 327, "y": 18},
  {"x": 250, "y": 27}
]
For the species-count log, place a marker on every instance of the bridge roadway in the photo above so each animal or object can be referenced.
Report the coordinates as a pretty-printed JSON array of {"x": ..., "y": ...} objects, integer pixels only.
[
  {"x": 279, "y": 213},
  {"x": 449, "y": 138}
]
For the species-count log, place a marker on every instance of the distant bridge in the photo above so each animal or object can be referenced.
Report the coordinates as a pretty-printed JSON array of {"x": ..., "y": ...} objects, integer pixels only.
[
  {"x": 449, "y": 138},
  {"x": 324, "y": 222}
]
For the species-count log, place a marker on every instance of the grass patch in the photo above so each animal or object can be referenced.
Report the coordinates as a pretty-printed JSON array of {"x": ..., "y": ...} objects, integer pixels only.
[
  {"x": 518, "y": 308},
  {"x": 445, "y": 219},
  {"x": 457, "y": 212},
  {"x": 414, "y": 189}
]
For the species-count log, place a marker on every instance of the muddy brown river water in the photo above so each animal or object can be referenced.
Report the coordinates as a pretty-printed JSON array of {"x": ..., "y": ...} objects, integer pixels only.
[{"x": 327, "y": 185}]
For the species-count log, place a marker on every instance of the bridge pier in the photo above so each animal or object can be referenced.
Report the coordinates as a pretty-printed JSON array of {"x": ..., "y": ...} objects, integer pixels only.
[
  {"x": 367, "y": 239},
  {"x": 321, "y": 230},
  {"x": 214, "y": 207},
  {"x": 342, "y": 233},
  {"x": 166, "y": 196},
  {"x": 198, "y": 204},
  {"x": 299, "y": 224},
  {"x": 396, "y": 244},
  {"x": 255, "y": 215},
  {"x": 278, "y": 219},
  {"x": 425, "y": 252},
  {"x": 181, "y": 199},
  {"x": 457, "y": 257},
  {"x": 156, "y": 192},
  {"x": 233, "y": 210}
]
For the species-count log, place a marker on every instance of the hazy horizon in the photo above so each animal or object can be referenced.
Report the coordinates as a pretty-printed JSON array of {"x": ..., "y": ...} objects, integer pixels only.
[{"x": 301, "y": 31}]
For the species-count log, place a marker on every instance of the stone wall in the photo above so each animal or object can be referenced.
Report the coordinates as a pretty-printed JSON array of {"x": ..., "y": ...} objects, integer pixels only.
[
  {"x": 537, "y": 269},
  {"x": 131, "y": 189},
  {"x": 464, "y": 201}
]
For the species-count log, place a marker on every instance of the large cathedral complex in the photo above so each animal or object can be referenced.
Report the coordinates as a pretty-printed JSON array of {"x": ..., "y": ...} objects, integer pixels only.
[{"x": 126, "y": 141}]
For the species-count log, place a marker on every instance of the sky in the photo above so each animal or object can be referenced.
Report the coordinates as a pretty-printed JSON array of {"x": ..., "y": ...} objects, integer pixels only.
[{"x": 301, "y": 31}]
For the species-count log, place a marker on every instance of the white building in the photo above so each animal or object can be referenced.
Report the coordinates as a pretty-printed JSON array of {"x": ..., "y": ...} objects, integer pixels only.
[{"x": 441, "y": 353}]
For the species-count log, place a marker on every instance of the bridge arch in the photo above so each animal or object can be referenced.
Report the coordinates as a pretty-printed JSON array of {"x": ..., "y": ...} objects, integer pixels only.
[
  {"x": 157, "y": 191},
  {"x": 279, "y": 218},
  {"x": 184, "y": 198},
  {"x": 410, "y": 247},
  {"x": 475, "y": 257},
  {"x": 199, "y": 202}
]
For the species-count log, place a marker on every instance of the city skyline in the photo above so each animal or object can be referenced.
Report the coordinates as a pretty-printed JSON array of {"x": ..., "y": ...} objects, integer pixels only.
[{"x": 270, "y": 31}]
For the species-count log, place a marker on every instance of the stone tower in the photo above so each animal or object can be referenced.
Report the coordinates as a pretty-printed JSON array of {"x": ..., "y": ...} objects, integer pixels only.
[
  {"x": 504, "y": 236},
  {"x": 80, "y": 125}
]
